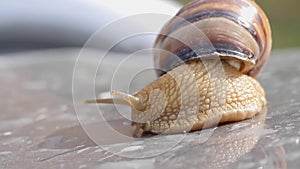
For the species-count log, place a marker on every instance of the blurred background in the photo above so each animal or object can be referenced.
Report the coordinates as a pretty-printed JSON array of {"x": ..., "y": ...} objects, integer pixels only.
[
  {"x": 284, "y": 20},
  {"x": 69, "y": 23}
]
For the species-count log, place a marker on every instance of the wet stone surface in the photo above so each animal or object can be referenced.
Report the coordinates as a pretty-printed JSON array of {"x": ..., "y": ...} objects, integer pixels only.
[{"x": 43, "y": 126}]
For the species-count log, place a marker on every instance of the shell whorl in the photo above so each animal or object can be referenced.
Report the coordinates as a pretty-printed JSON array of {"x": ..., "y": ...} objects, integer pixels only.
[{"x": 231, "y": 29}]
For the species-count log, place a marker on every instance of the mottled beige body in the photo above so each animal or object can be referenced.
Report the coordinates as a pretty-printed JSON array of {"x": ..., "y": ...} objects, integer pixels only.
[{"x": 197, "y": 95}]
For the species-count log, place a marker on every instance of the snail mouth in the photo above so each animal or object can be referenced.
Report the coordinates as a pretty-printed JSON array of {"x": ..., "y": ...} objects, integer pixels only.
[
  {"x": 140, "y": 129},
  {"x": 130, "y": 100}
]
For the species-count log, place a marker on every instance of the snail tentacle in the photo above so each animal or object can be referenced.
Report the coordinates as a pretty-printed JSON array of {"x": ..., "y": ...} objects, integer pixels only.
[
  {"x": 125, "y": 99},
  {"x": 185, "y": 97},
  {"x": 107, "y": 101}
]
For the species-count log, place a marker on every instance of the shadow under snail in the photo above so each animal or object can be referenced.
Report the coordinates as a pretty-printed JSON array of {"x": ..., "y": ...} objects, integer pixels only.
[{"x": 203, "y": 87}]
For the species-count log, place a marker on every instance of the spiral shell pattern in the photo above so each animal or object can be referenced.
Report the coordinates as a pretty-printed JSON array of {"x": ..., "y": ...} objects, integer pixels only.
[{"x": 230, "y": 29}]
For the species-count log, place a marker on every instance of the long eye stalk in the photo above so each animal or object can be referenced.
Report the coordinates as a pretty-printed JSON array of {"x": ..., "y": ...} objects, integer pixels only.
[{"x": 123, "y": 98}]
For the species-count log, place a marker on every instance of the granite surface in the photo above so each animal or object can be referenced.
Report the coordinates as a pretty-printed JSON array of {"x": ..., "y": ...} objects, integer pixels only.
[{"x": 45, "y": 124}]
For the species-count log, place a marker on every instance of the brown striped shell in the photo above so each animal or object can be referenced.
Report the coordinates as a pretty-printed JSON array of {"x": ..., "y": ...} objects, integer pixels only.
[{"x": 231, "y": 29}]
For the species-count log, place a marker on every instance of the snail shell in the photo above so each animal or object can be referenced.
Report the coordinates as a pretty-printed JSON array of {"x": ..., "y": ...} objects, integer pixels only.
[
  {"x": 236, "y": 29},
  {"x": 187, "y": 98}
]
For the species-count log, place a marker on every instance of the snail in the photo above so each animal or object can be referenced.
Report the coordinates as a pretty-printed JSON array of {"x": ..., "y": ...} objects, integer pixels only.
[{"x": 192, "y": 92}]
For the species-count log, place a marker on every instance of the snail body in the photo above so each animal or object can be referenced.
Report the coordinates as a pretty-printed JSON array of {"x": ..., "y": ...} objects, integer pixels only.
[{"x": 195, "y": 90}]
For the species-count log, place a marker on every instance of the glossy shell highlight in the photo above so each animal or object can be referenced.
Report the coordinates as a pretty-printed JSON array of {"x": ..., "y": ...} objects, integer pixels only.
[{"x": 230, "y": 29}]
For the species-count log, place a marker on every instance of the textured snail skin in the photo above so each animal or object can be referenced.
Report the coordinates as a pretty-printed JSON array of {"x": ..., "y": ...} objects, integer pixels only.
[
  {"x": 195, "y": 90},
  {"x": 193, "y": 98},
  {"x": 188, "y": 99}
]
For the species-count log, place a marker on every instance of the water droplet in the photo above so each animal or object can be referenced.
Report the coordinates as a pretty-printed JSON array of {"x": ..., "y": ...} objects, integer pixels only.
[
  {"x": 5, "y": 153},
  {"x": 132, "y": 148},
  {"x": 8, "y": 133},
  {"x": 297, "y": 141}
]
